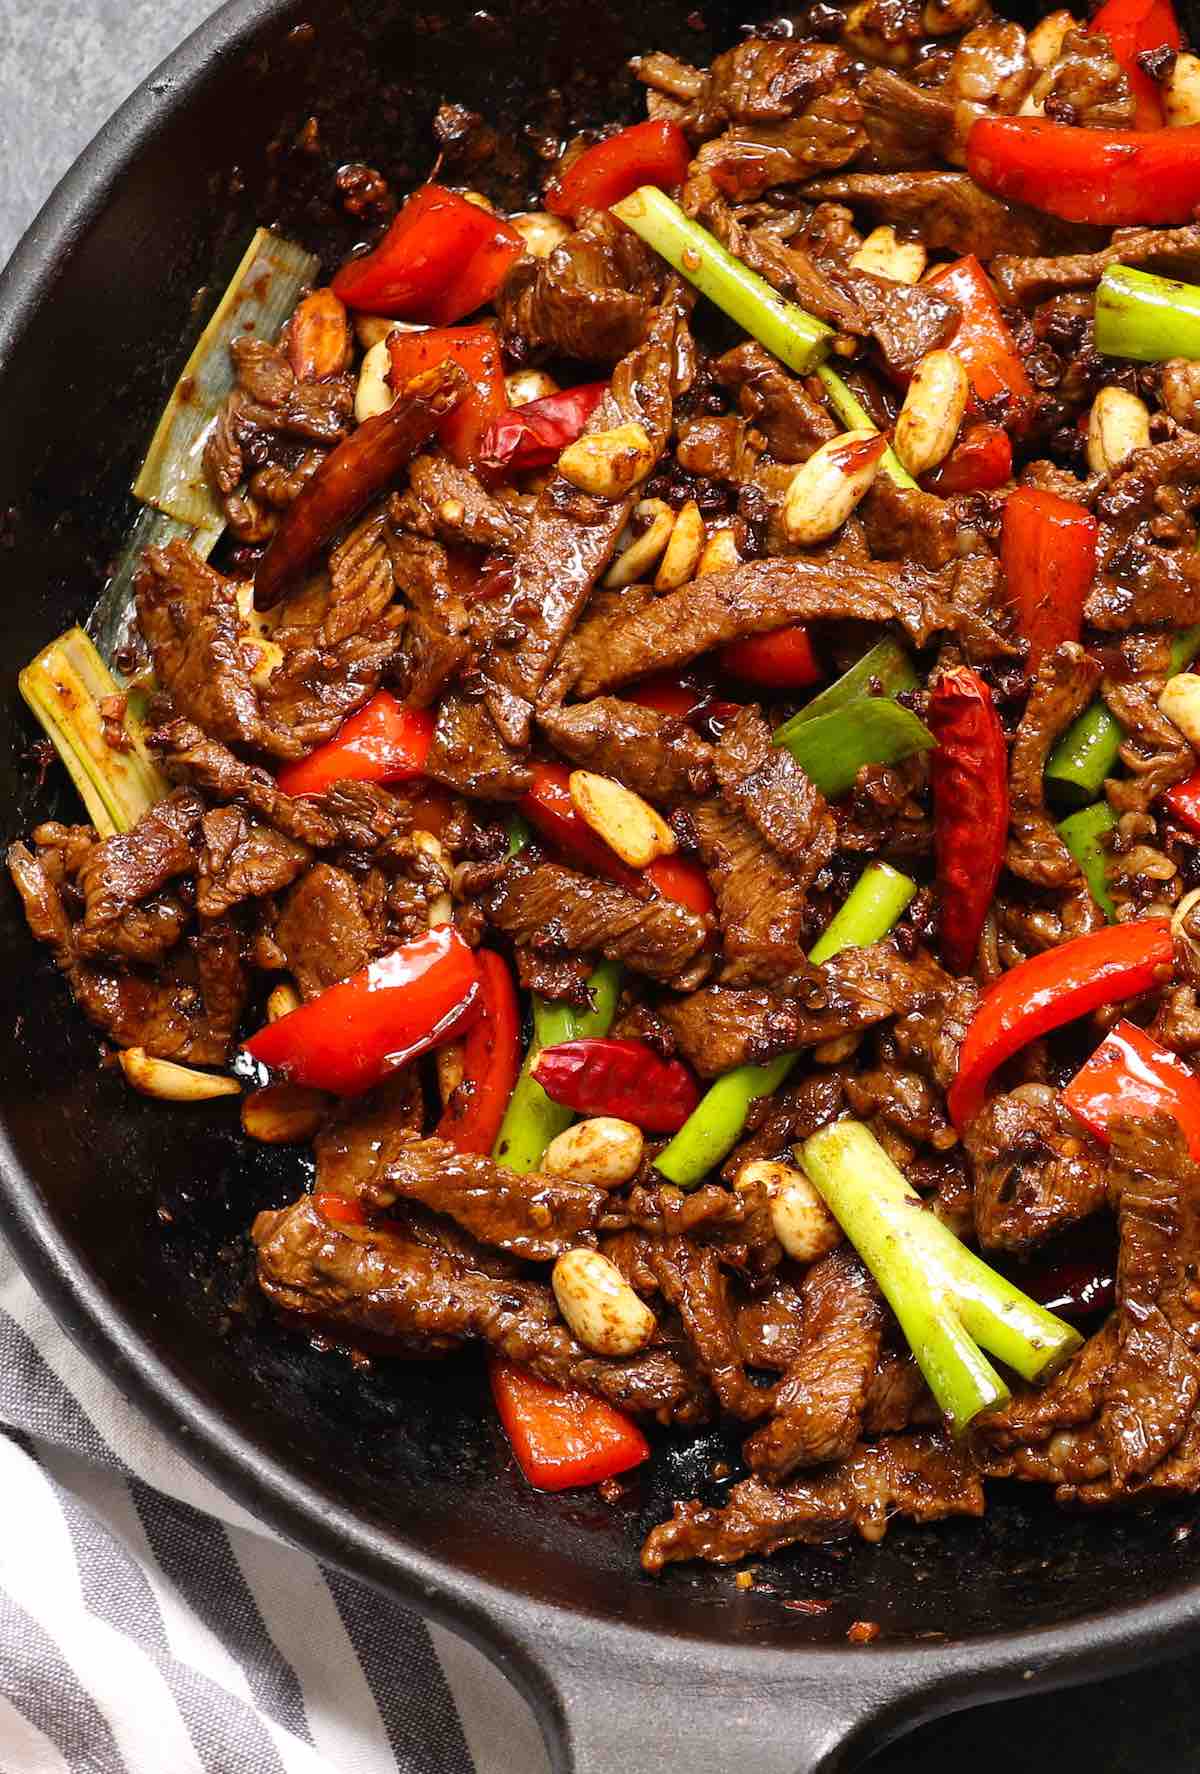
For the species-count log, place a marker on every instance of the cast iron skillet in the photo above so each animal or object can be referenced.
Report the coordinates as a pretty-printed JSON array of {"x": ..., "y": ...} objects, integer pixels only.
[{"x": 131, "y": 1217}]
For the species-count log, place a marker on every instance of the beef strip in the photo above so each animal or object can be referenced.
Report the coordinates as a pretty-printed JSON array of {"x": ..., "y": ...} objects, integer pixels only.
[
  {"x": 561, "y": 978},
  {"x": 1154, "y": 751},
  {"x": 690, "y": 1279},
  {"x": 907, "y": 125},
  {"x": 188, "y": 755},
  {"x": 189, "y": 617},
  {"x": 321, "y": 681},
  {"x": 770, "y": 1326},
  {"x": 546, "y": 905},
  {"x": 778, "y": 405},
  {"x": 764, "y": 783},
  {"x": 819, "y": 1405},
  {"x": 931, "y": 1034},
  {"x": 750, "y": 157},
  {"x": 117, "y": 876},
  {"x": 1064, "y": 686},
  {"x": 361, "y": 581},
  {"x": 450, "y": 503},
  {"x": 370, "y": 1281},
  {"x": 469, "y": 755},
  {"x": 240, "y": 858},
  {"x": 590, "y": 300},
  {"x": 951, "y": 213},
  {"x": 354, "y": 1150},
  {"x": 654, "y": 754},
  {"x": 1173, "y": 252},
  {"x": 791, "y": 1115},
  {"x": 324, "y": 931},
  {"x": 761, "y": 896},
  {"x": 530, "y": 1216},
  {"x": 921, "y": 1476},
  {"x": 1034, "y": 1174},
  {"x": 1068, "y": 1401},
  {"x": 907, "y": 321},
  {"x": 792, "y": 270}
]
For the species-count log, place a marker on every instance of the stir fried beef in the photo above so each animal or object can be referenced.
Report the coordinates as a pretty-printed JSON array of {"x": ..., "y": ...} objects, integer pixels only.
[{"x": 509, "y": 784}]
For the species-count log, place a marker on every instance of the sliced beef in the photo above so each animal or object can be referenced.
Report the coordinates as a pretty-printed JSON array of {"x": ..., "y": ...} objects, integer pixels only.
[
  {"x": 777, "y": 404},
  {"x": 590, "y": 300},
  {"x": 907, "y": 321},
  {"x": 1068, "y": 1401},
  {"x": 240, "y": 858},
  {"x": 1064, "y": 686},
  {"x": 907, "y": 125},
  {"x": 118, "y": 876},
  {"x": 654, "y": 754},
  {"x": 1173, "y": 252},
  {"x": 791, "y": 1115},
  {"x": 361, "y": 581},
  {"x": 371, "y": 1282},
  {"x": 764, "y": 783},
  {"x": 690, "y": 1279},
  {"x": 792, "y": 270},
  {"x": 189, "y": 617},
  {"x": 748, "y": 158},
  {"x": 1034, "y": 1174},
  {"x": 561, "y": 978},
  {"x": 321, "y": 681},
  {"x": 1154, "y": 751},
  {"x": 921, "y": 1476},
  {"x": 544, "y": 905},
  {"x": 931, "y": 1034},
  {"x": 324, "y": 930},
  {"x": 451, "y": 504},
  {"x": 720, "y": 1028},
  {"x": 950, "y": 212},
  {"x": 356, "y": 1148},
  {"x": 770, "y": 1326},
  {"x": 469, "y": 755},
  {"x": 762, "y": 898},
  {"x": 906, "y": 523},
  {"x": 820, "y": 1402},
  {"x": 531, "y": 1216},
  {"x": 188, "y": 755}
]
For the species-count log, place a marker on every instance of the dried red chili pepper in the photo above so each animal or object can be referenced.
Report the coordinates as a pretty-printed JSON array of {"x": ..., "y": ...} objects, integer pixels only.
[
  {"x": 601, "y": 1075},
  {"x": 531, "y": 436},
  {"x": 969, "y": 773}
]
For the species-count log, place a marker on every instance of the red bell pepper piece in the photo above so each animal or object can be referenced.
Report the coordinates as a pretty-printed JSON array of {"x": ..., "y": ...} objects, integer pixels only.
[
  {"x": 1132, "y": 27},
  {"x": 339, "y": 1209},
  {"x": 600, "y": 1075},
  {"x": 491, "y": 1060},
  {"x": 1183, "y": 802},
  {"x": 548, "y": 807},
  {"x": 441, "y": 259},
  {"x": 781, "y": 660},
  {"x": 530, "y": 436},
  {"x": 1048, "y": 550},
  {"x": 1116, "y": 178},
  {"x": 562, "y": 1439},
  {"x": 386, "y": 741},
  {"x": 476, "y": 349},
  {"x": 1129, "y": 1074},
  {"x": 678, "y": 878},
  {"x": 646, "y": 154},
  {"x": 979, "y": 461},
  {"x": 982, "y": 341},
  {"x": 354, "y": 1033},
  {"x": 1051, "y": 989},
  {"x": 969, "y": 773},
  {"x": 362, "y": 465}
]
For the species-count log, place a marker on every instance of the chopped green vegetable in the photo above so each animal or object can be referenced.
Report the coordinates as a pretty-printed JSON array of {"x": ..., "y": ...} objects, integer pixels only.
[
  {"x": 715, "y": 1125},
  {"x": 65, "y": 686},
  {"x": 790, "y": 334},
  {"x": 1087, "y": 752},
  {"x": 531, "y": 1120},
  {"x": 951, "y": 1306},
  {"x": 261, "y": 295},
  {"x": 833, "y": 748},
  {"x": 1145, "y": 317},
  {"x": 886, "y": 665},
  {"x": 1084, "y": 833},
  {"x": 855, "y": 417}
]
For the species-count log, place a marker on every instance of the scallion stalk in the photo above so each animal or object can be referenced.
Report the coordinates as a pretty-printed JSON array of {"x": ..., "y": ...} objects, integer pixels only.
[
  {"x": 1084, "y": 833},
  {"x": 855, "y": 417},
  {"x": 880, "y": 897},
  {"x": 950, "y": 1305},
  {"x": 1087, "y": 752},
  {"x": 832, "y": 748},
  {"x": 886, "y": 667},
  {"x": 1145, "y": 317}
]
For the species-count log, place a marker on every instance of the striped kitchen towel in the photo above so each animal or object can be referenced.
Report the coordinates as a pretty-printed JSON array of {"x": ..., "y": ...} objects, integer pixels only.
[{"x": 149, "y": 1625}]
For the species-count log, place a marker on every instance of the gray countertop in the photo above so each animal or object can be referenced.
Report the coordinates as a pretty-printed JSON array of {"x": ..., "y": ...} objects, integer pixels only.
[{"x": 64, "y": 66}]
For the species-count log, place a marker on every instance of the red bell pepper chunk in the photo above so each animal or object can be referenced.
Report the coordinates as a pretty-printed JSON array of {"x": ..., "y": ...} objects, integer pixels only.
[
  {"x": 680, "y": 879},
  {"x": 969, "y": 772},
  {"x": 646, "y": 154},
  {"x": 1183, "y": 802},
  {"x": 562, "y": 1439},
  {"x": 781, "y": 660},
  {"x": 491, "y": 1056},
  {"x": 979, "y": 461},
  {"x": 1051, "y": 989},
  {"x": 531, "y": 436},
  {"x": 355, "y": 1033},
  {"x": 601, "y": 1075},
  {"x": 1048, "y": 550},
  {"x": 982, "y": 342},
  {"x": 386, "y": 741},
  {"x": 1131, "y": 1075},
  {"x": 1116, "y": 178},
  {"x": 476, "y": 349},
  {"x": 1132, "y": 27},
  {"x": 441, "y": 259},
  {"x": 548, "y": 807},
  {"x": 339, "y": 1209}
]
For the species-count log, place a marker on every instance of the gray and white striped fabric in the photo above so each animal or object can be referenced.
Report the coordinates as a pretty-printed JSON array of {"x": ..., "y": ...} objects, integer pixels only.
[{"x": 149, "y": 1625}]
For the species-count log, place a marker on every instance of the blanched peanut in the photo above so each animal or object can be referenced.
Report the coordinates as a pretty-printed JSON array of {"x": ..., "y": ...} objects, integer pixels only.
[
  {"x": 1044, "y": 43},
  {"x": 602, "y": 1150},
  {"x": 283, "y": 1000},
  {"x": 825, "y": 489},
  {"x": 599, "y": 1305},
  {"x": 608, "y": 463},
  {"x": 884, "y": 256},
  {"x": 1180, "y": 702},
  {"x": 373, "y": 327},
  {"x": 799, "y": 1218},
  {"x": 262, "y": 653},
  {"x": 526, "y": 385},
  {"x": 540, "y": 231},
  {"x": 945, "y": 18},
  {"x": 284, "y": 1114},
  {"x": 319, "y": 337},
  {"x": 373, "y": 394},
  {"x": 637, "y": 560},
  {"x": 860, "y": 35},
  {"x": 172, "y": 1083},
  {"x": 479, "y": 200},
  {"x": 1181, "y": 91},
  {"x": 719, "y": 554},
  {"x": 684, "y": 549},
  {"x": 932, "y": 411},
  {"x": 628, "y": 825},
  {"x": 1118, "y": 424}
]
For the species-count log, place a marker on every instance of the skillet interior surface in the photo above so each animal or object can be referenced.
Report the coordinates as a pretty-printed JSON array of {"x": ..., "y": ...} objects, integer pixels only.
[{"x": 145, "y": 1208}]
